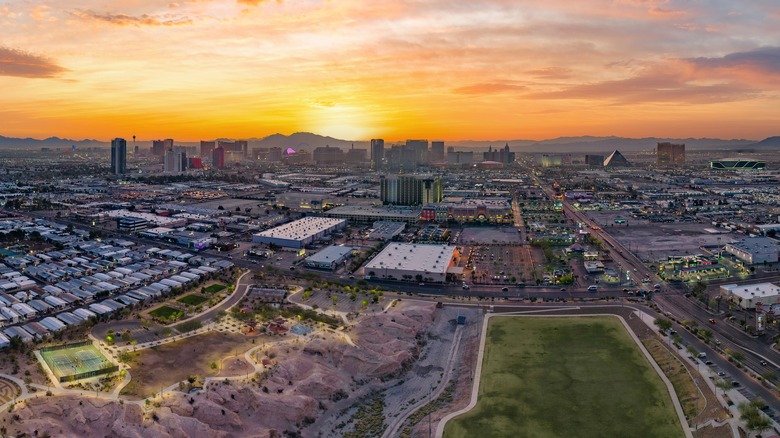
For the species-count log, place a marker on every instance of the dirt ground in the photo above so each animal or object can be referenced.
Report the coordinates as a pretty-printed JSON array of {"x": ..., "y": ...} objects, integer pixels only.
[{"x": 160, "y": 366}]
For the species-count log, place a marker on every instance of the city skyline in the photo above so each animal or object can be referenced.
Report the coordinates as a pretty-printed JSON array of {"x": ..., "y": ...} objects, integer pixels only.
[{"x": 355, "y": 70}]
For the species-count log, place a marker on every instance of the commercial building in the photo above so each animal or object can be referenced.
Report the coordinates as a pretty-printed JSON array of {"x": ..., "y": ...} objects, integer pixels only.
[
  {"x": 118, "y": 156},
  {"x": 413, "y": 262},
  {"x": 329, "y": 258},
  {"x": 670, "y": 153},
  {"x": 326, "y": 155},
  {"x": 754, "y": 250},
  {"x": 738, "y": 164},
  {"x": 175, "y": 160},
  {"x": 377, "y": 153},
  {"x": 437, "y": 152},
  {"x": 386, "y": 230},
  {"x": 130, "y": 224},
  {"x": 218, "y": 157},
  {"x": 420, "y": 148},
  {"x": 366, "y": 214},
  {"x": 206, "y": 147},
  {"x": 410, "y": 189},
  {"x": 747, "y": 296},
  {"x": 298, "y": 234},
  {"x": 499, "y": 155},
  {"x": 470, "y": 210},
  {"x": 594, "y": 160},
  {"x": 616, "y": 159},
  {"x": 160, "y": 146},
  {"x": 460, "y": 158}
]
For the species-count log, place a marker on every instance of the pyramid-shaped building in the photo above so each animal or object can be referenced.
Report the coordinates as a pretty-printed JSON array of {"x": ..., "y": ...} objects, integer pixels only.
[{"x": 616, "y": 159}]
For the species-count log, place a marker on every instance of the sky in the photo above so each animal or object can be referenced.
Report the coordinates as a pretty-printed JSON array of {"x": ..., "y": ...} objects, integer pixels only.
[{"x": 360, "y": 69}]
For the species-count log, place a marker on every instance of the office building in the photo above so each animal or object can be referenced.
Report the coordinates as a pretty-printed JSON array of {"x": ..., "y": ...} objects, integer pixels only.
[
  {"x": 410, "y": 189},
  {"x": 460, "y": 158},
  {"x": 437, "y": 152},
  {"x": 218, "y": 157},
  {"x": 118, "y": 156},
  {"x": 670, "y": 153},
  {"x": 206, "y": 147},
  {"x": 377, "y": 153}
]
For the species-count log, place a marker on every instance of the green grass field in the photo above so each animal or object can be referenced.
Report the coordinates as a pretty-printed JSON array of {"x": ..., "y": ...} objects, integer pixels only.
[
  {"x": 76, "y": 360},
  {"x": 561, "y": 377},
  {"x": 163, "y": 312},
  {"x": 192, "y": 299},
  {"x": 214, "y": 288}
]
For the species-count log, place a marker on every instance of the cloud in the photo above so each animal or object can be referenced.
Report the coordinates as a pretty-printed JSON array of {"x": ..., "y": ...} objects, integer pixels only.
[
  {"x": 130, "y": 20},
  {"x": 253, "y": 2},
  {"x": 551, "y": 72},
  {"x": 489, "y": 88},
  {"x": 766, "y": 59},
  {"x": 14, "y": 62}
]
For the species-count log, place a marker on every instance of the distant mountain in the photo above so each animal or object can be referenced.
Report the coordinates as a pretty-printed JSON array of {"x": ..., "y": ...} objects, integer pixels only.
[
  {"x": 305, "y": 140},
  {"x": 609, "y": 144},
  {"x": 18, "y": 143},
  {"x": 767, "y": 144}
]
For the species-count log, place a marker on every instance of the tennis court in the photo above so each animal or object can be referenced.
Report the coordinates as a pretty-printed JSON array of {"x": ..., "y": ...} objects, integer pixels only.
[{"x": 75, "y": 361}]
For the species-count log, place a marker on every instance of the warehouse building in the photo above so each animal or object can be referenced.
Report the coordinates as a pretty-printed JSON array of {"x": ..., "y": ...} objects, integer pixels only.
[
  {"x": 755, "y": 250},
  {"x": 413, "y": 262},
  {"x": 329, "y": 258},
  {"x": 300, "y": 233},
  {"x": 746, "y": 296}
]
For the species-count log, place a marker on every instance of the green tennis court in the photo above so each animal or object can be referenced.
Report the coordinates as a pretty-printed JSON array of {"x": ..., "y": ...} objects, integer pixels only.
[{"x": 74, "y": 360}]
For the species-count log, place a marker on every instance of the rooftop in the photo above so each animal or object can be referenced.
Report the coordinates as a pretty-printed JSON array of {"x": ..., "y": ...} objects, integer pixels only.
[
  {"x": 413, "y": 257},
  {"x": 302, "y": 228}
]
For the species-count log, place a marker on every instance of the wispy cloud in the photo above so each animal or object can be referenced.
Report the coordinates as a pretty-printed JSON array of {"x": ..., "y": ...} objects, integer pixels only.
[
  {"x": 15, "y": 62},
  {"x": 131, "y": 20},
  {"x": 490, "y": 88}
]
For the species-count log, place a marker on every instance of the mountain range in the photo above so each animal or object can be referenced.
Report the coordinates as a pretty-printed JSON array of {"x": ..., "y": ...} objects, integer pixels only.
[{"x": 309, "y": 141}]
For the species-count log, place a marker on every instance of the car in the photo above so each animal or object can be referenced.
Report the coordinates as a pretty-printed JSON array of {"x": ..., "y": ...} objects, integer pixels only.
[
  {"x": 734, "y": 383},
  {"x": 721, "y": 373},
  {"x": 763, "y": 363},
  {"x": 422, "y": 284},
  {"x": 505, "y": 289},
  {"x": 712, "y": 320},
  {"x": 625, "y": 289},
  {"x": 709, "y": 362},
  {"x": 563, "y": 289},
  {"x": 351, "y": 277}
]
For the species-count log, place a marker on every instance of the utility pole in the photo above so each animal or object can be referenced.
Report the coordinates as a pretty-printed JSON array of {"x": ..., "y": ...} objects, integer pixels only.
[{"x": 430, "y": 413}]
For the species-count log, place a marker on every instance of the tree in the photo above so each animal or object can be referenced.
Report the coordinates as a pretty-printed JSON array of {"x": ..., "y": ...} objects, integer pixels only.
[
  {"x": 723, "y": 385},
  {"x": 663, "y": 324},
  {"x": 691, "y": 350}
]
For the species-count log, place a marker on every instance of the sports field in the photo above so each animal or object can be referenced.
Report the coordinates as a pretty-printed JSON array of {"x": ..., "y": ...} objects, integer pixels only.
[
  {"x": 74, "y": 360},
  {"x": 163, "y": 312},
  {"x": 192, "y": 299},
  {"x": 214, "y": 288},
  {"x": 557, "y": 377}
]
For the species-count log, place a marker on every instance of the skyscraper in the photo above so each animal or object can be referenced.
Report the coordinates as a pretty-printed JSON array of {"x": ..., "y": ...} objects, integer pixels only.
[
  {"x": 118, "y": 156},
  {"x": 175, "y": 160},
  {"x": 160, "y": 146},
  {"x": 242, "y": 146},
  {"x": 670, "y": 153},
  {"x": 218, "y": 157},
  {"x": 420, "y": 148},
  {"x": 377, "y": 153},
  {"x": 437, "y": 151},
  {"x": 206, "y": 147},
  {"x": 410, "y": 189}
]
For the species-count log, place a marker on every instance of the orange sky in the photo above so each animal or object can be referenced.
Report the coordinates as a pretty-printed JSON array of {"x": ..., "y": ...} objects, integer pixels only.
[{"x": 357, "y": 69}]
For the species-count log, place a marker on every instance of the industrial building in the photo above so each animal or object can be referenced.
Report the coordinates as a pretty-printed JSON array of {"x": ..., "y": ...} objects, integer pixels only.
[
  {"x": 746, "y": 296},
  {"x": 754, "y": 250},
  {"x": 413, "y": 262},
  {"x": 299, "y": 233},
  {"x": 329, "y": 258},
  {"x": 386, "y": 230}
]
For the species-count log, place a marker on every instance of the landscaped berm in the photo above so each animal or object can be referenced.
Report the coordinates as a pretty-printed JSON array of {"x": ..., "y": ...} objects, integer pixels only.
[
  {"x": 76, "y": 361},
  {"x": 565, "y": 377}
]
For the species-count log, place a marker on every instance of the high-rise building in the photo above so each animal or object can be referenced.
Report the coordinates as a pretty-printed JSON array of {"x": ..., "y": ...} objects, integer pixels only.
[
  {"x": 242, "y": 146},
  {"x": 437, "y": 151},
  {"x": 410, "y": 189},
  {"x": 420, "y": 148},
  {"x": 499, "y": 155},
  {"x": 206, "y": 147},
  {"x": 328, "y": 155},
  {"x": 118, "y": 156},
  {"x": 275, "y": 154},
  {"x": 218, "y": 157},
  {"x": 175, "y": 160},
  {"x": 160, "y": 146},
  {"x": 670, "y": 153},
  {"x": 377, "y": 153},
  {"x": 355, "y": 156},
  {"x": 594, "y": 160}
]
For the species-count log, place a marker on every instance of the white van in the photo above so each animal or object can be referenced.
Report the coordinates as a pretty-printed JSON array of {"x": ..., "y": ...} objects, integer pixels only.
[{"x": 593, "y": 288}]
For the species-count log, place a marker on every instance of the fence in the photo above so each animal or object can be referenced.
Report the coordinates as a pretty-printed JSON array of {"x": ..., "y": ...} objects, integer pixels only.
[{"x": 89, "y": 374}]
